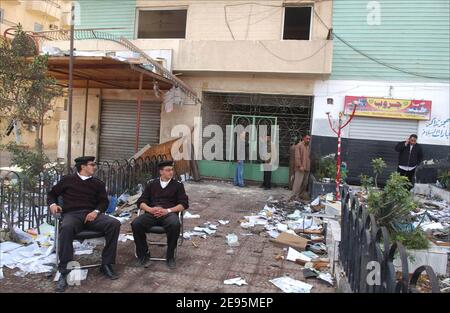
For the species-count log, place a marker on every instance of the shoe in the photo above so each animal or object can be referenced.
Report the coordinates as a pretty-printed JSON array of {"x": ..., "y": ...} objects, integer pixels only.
[
  {"x": 171, "y": 264},
  {"x": 61, "y": 284},
  {"x": 143, "y": 262},
  {"x": 108, "y": 271}
]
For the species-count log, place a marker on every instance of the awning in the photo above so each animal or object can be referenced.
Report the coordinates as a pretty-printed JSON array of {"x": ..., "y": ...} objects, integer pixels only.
[{"x": 104, "y": 72}]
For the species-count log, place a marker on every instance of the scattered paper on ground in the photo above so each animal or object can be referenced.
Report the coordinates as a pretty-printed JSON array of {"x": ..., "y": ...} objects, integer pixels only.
[
  {"x": 235, "y": 281},
  {"x": 290, "y": 285}
]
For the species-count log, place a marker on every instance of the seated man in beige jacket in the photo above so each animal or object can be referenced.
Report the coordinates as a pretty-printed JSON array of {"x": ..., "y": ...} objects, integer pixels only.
[{"x": 302, "y": 165}]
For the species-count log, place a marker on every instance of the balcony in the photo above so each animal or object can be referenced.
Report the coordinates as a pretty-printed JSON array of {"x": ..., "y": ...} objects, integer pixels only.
[
  {"x": 49, "y": 8},
  {"x": 289, "y": 56}
]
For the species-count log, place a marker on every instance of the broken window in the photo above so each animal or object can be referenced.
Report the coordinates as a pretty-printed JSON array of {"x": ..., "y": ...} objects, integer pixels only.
[
  {"x": 162, "y": 24},
  {"x": 297, "y": 23}
]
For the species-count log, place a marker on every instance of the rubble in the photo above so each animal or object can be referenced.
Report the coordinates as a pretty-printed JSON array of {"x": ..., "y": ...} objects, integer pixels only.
[{"x": 299, "y": 228}]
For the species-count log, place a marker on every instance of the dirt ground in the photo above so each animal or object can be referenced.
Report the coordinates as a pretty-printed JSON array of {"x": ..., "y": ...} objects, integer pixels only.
[{"x": 199, "y": 269}]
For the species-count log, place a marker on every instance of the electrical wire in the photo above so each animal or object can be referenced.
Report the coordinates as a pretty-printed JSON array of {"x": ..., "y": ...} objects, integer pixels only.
[{"x": 366, "y": 55}]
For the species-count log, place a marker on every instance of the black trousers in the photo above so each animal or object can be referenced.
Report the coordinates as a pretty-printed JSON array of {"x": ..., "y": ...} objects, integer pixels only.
[
  {"x": 267, "y": 179},
  {"x": 409, "y": 174},
  {"x": 73, "y": 222},
  {"x": 142, "y": 224}
]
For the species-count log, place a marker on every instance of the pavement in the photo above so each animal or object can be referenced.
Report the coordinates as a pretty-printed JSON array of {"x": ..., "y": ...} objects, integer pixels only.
[{"x": 199, "y": 269}]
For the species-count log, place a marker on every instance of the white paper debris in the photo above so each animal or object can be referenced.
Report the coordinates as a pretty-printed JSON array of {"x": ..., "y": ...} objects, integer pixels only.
[
  {"x": 1, "y": 273},
  {"x": 75, "y": 275},
  {"x": 295, "y": 215},
  {"x": 316, "y": 201},
  {"x": 282, "y": 227},
  {"x": 432, "y": 226},
  {"x": 294, "y": 255},
  {"x": 326, "y": 277},
  {"x": 8, "y": 246},
  {"x": 273, "y": 233},
  {"x": 223, "y": 222},
  {"x": 290, "y": 285},
  {"x": 235, "y": 281},
  {"x": 189, "y": 215}
]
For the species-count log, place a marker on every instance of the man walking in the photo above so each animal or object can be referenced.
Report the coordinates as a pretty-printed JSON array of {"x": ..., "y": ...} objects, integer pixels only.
[{"x": 410, "y": 155}]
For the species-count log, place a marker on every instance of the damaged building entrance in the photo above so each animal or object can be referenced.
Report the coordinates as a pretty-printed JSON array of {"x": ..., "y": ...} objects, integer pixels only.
[
  {"x": 118, "y": 128},
  {"x": 291, "y": 113}
]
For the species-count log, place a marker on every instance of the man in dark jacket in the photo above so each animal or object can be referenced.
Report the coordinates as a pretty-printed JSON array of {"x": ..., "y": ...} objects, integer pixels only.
[
  {"x": 410, "y": 155},
  {"x": 161, "y": 201},
  {"x": 84, "y": 202}
]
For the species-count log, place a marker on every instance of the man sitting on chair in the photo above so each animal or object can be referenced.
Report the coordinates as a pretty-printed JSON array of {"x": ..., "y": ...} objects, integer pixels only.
[
  {"x": 161, "y": 201},
  {"x": 84, "y": 200}
]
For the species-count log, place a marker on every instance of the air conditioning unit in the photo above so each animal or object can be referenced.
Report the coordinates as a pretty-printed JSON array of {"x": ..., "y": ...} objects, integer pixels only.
[{"x": 53, "y": 27}]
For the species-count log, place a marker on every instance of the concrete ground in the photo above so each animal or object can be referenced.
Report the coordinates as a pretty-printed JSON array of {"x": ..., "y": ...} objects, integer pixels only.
[{"x": 199, "y": 269}]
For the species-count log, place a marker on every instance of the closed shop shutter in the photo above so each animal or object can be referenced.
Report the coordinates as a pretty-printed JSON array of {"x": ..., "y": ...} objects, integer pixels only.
[
  {"x": 382, "y": 128},
  {"x": 118, "y": 128},
  {"x": 371, "y": 138}
]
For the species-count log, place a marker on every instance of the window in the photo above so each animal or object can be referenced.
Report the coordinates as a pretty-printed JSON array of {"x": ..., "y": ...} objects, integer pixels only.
[
  {"x": 38, "y": 27},
  {"x": 162, "y": 24},
  {"x": 2, "y": 15},
  {"x": 297, "y": 23}
]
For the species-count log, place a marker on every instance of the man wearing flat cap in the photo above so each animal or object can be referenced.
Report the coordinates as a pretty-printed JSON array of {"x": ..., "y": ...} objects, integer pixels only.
[
  {"x": 161, "y": 201},
  {"x": 84, "y": 202}
]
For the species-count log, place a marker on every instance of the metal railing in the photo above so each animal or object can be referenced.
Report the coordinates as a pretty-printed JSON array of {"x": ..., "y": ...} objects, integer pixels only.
[
  {"x": 25, "y": 206},
  {"x": 367, "y": 254}
]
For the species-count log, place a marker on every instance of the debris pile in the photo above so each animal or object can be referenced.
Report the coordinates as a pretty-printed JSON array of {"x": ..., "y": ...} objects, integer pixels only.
[{"x": 301, "y": 230}]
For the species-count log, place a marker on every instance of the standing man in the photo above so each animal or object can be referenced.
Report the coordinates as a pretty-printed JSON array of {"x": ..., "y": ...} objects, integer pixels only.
[
  {"x": 84, "y": 202},
  {"x": 267, "y": 156},
  {"x": 302, "y": 165},
  {"x": 410, "y": 155},
  {"x": 161, "y": 201},
  {"x": 239, "y": 172}
]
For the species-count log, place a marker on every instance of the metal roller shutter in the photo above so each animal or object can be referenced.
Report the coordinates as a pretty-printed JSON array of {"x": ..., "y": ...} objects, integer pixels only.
[
  {"x": 371, "y": 138},
  {"x": 382, "y": 129},
  {"x": 118, "y": 128}
]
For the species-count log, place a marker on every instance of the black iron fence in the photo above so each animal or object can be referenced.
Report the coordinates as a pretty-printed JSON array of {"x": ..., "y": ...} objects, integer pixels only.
[
  {"x": 24, "y": 206},
  {"x": 367, "y": 254}
]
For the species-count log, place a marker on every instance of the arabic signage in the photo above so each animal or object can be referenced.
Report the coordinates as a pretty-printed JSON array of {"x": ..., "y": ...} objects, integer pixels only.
[{"x": 389, "y": 108}]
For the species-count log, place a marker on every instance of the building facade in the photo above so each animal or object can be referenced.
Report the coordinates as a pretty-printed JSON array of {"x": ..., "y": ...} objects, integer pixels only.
[
  {"x": 250, "y": 63},
  {"x": 381, "y": 50},
  {"x": 284, "y": 63}
]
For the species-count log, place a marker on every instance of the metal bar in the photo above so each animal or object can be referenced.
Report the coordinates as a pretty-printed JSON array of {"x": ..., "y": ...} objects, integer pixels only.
[
  {"x": 138, "y": 116},
  {"x": 85, "y": 117},
  {"x": 70, "y": 102}
]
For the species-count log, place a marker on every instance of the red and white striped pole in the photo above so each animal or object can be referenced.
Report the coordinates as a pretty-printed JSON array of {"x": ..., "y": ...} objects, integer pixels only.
[{"x": 338, "y": 159}]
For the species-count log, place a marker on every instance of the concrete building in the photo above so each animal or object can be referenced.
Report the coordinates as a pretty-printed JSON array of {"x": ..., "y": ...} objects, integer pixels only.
[
  {"x": 272, "y": 62},
  {"x": 259, "y": 61},
  {"x": 381, "y": 51}
]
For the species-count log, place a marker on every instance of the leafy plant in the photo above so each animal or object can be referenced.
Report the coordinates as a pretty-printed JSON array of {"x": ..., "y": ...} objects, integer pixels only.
[
  {"x": 444, "y": 179},
  {"x": 415, "y": 239},
  {"x": 392, "y": 208},
  {"x": 326, "y": 168},
  {"x": 378, "y": 166},
  {"x": 366, "y": 181},
  {"x": 26, "y": 91}
]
